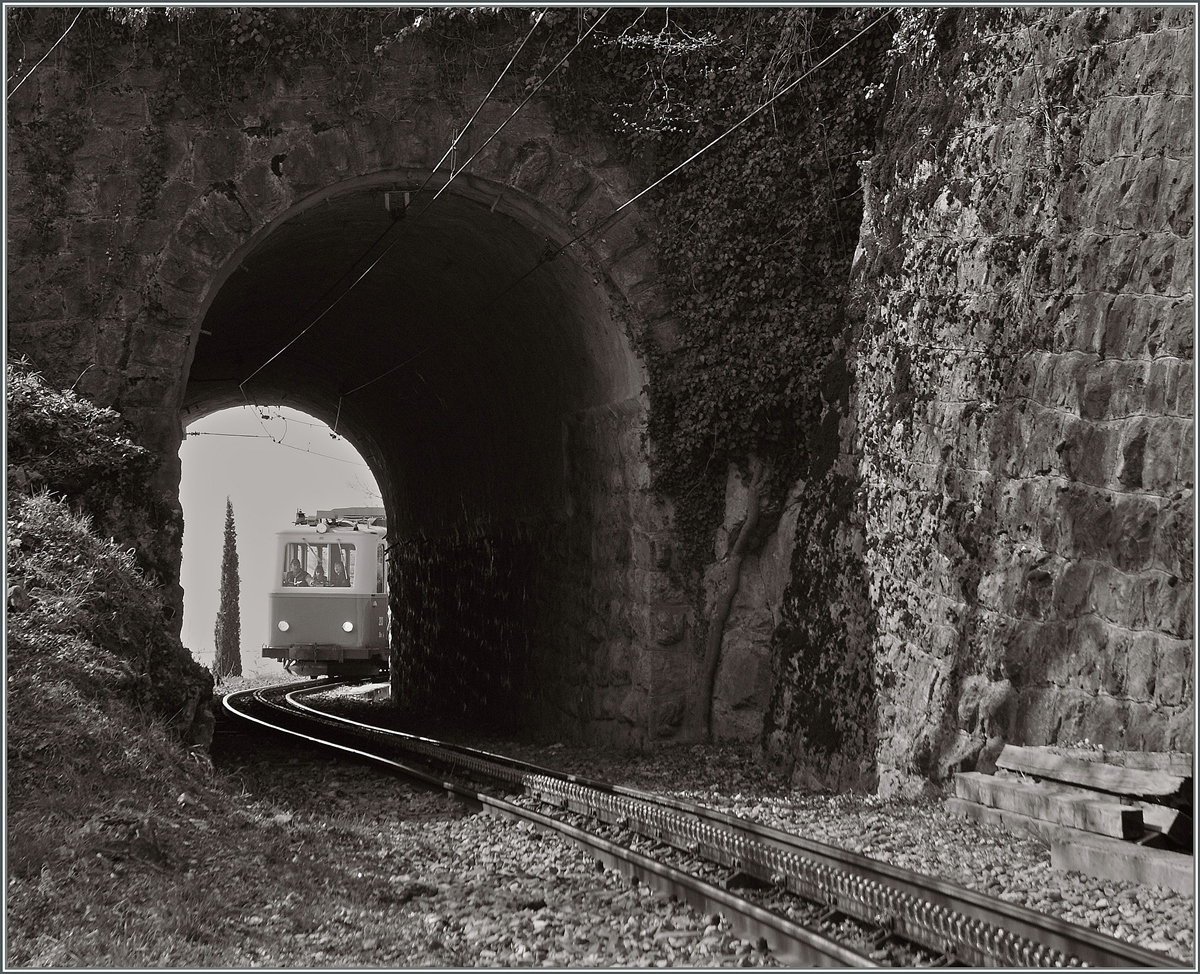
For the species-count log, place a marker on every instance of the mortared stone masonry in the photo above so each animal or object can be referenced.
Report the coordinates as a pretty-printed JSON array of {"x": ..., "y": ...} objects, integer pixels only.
[
  {"x": 1019, "y": 436},
  {"x": 998, "y": 545}
]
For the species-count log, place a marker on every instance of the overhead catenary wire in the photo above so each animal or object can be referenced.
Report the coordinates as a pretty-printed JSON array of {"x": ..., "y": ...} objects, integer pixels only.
[
  {"x": 448, "y": 153},
  {"x": 293, "y": 419},
  {"x": 534, "y": 91},
  {"x": 491, "y": 91},
  {"x": 286, "y": 446},
  {"x": 43, "y": 57},
  {"x": 333, "y": 304},
  {"x": 616, "y": 213}
]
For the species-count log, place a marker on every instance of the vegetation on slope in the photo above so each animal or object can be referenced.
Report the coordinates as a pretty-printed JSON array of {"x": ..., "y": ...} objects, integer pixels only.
[
  {"x": 79, "y": 603},
  {"x": 124, "y": 847},
  {"x": 102, "y": 700}
]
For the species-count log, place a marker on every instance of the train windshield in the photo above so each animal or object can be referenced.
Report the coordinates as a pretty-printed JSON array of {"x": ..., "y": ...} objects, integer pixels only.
[{"x": 320, "y": 565}]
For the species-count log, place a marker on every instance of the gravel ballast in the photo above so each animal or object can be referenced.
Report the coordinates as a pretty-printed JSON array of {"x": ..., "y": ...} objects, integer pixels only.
[
  {"x": 918, "y": 835},
  {"x": 495, "y": 893},
  {"x": 422, "y": 883}
]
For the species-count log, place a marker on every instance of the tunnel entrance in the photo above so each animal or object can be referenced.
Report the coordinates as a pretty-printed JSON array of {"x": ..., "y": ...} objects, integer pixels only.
[
  {"x": 453, "y": 360},
  {"x": 269, "y": 462},
  {"x": 492, "y": 389}
]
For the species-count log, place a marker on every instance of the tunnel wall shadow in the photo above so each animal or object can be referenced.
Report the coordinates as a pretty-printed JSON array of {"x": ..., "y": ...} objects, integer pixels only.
[{"x": 542, "y": 623}]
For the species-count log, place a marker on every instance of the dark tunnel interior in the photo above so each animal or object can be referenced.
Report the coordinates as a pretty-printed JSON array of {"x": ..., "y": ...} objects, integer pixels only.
[{"x": 449, "y": 369}]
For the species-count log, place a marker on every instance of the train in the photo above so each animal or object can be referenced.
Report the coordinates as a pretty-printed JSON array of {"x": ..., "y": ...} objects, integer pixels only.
[{"x": 328, "y": 602}]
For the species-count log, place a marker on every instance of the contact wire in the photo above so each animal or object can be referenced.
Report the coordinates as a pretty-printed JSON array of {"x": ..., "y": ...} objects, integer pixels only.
[
  {"x": 453, "y": 144},
  {"x": 608, "y": 220}
]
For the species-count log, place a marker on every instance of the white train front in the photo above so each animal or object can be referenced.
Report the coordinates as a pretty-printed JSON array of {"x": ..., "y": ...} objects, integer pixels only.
[{"x": 328, "y": 599}]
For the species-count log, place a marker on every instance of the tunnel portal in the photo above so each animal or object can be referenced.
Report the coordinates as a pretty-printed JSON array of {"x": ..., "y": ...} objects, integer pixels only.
[
  {"x": 499, "y": 403},
  {"x": 478, "y": 361},
  {"x": 452, "y": 363}
]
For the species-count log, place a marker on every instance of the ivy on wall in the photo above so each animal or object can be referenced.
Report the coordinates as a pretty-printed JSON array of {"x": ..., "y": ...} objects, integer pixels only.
[{"x": 756, "y": 235}]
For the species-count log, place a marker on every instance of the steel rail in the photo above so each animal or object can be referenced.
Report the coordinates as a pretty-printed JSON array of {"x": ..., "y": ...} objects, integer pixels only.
[
  {"x": 789, "y": 942},
  {"x": 964, "y": 925}
]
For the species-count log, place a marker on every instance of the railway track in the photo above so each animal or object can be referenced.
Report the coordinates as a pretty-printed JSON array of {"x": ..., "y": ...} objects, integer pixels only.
[{"x": 813, "y": 904}]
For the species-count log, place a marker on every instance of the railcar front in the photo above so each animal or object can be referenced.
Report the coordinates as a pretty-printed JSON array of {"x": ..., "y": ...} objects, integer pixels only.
[{"x": 328, "y": 602}]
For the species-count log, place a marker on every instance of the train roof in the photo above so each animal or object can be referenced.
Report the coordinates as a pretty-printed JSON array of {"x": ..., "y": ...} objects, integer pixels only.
[
  {"x": 351, "y": 513},
  {"x": 340, "y": 520},
  {"x": 342, "y": 532}
]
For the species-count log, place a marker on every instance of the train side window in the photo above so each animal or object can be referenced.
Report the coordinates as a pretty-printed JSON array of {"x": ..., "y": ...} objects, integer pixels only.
[{"x": 380, "y": 568}]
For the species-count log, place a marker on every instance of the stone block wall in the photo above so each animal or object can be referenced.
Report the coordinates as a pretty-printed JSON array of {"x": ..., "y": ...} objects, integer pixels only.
[
  {"x": 1023, "y": 416},
  {"x": 624, "y": 656},
  {"x": 127, "y": 213},
  {"x": 1002, "y": 549},
  {"x": 744, "y": 680}
]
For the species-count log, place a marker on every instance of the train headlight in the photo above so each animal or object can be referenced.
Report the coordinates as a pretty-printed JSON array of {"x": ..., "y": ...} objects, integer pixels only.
[
  {"x": 283, "y": 626},
  {"x": 348, "y": 626}
]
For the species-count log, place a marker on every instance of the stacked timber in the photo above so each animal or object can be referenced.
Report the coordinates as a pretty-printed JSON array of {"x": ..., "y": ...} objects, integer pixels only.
[{"x": 1112, "y": 814}]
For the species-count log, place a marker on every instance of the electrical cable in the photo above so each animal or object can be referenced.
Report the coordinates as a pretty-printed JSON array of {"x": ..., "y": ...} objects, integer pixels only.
[
  {"x": 43, "y": 58},
  {"x": 608, "y": 220},
  {"x": 495, "y": 85},
  {"x": 536, "y": 89},
  {"x": 333, "y": 304},
  {"x": 453, "y": 145},
  {"x": 286, "y": 446}
]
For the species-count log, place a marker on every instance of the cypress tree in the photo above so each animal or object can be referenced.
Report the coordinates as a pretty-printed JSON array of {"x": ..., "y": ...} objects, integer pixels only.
[{"x": 228, "y": 634}]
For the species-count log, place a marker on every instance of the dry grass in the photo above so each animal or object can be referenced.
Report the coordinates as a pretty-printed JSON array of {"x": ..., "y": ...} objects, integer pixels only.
[{"x": 268, "y": 859}]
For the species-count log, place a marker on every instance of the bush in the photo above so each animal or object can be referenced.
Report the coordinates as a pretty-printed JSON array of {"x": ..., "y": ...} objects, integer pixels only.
[
  {"x": 82, "y": 613},
  {"x": 60, "y": 442}
]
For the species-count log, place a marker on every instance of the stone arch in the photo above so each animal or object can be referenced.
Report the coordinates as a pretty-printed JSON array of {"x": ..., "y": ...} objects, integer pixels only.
[
  {"x": 509, "y": 393},
  {"x": 464, "y": 308},
  {"x": 160, "y": 250}
]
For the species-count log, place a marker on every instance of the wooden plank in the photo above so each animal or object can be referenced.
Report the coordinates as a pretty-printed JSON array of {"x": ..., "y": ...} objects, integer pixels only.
[
  {"x": 1093, "y": 855},
  {"x": 1103, "y": 777},
  {"x": 1105, "y": 858},
  {"x": 1060, "y": 788},
  {"x": 1171, "y": 822},
  {"x": 1091, "y": 813},
  {"x": 1173, "y": 762},
  {"x": 1013, "y": 821}
]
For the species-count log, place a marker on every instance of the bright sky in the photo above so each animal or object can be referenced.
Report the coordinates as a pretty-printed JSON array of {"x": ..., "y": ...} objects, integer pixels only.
[{"x": 268, "y": 468}]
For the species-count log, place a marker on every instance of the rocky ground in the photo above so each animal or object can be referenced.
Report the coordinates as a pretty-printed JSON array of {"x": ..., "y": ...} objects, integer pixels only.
[
  {"x": 919, "y": 835},
  {"x": 427, "y": 884},
  {"x": 285, "y": 856}
]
